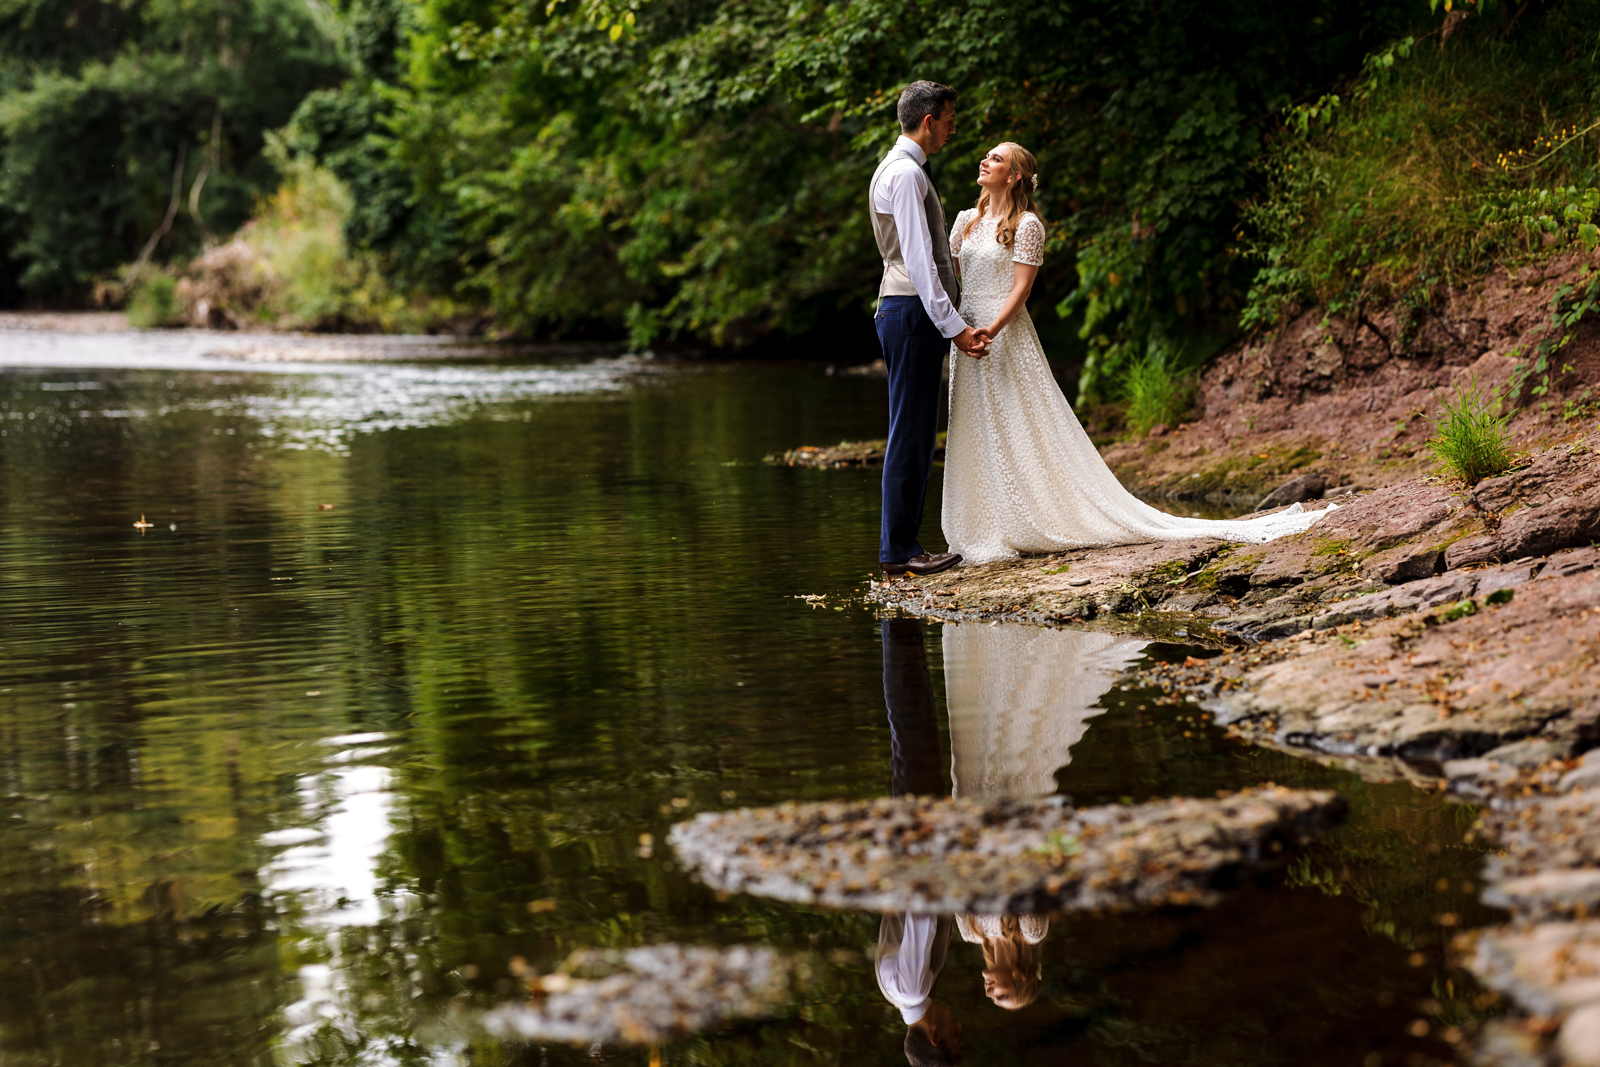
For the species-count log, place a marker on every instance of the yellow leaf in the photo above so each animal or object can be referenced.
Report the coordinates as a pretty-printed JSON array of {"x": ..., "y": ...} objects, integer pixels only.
[{"x": 616, "y": 31}]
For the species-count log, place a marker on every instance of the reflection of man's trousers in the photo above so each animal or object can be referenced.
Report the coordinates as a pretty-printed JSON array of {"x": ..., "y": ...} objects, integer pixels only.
[
  {"x": 913, "y": 354},
  {"x": 915, "y": 761}
]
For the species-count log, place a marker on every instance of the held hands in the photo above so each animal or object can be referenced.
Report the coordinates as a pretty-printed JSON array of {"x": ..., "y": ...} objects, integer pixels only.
[
  {"x": 973, "y": 344},
  {"x": 977, "y": 341}
]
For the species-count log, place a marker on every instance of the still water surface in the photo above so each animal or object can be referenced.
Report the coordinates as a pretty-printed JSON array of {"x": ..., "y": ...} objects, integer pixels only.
[{"x": 410, "y": 646}]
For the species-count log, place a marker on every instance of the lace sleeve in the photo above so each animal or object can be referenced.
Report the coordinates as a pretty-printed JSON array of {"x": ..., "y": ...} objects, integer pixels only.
[
  {"x": 956, "y": 231},
  {"x": 1028, "y": 245}
]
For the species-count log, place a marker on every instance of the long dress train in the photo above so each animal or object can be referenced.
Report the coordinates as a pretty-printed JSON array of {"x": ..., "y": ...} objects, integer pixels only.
[{"x": 1020, "y": 473}]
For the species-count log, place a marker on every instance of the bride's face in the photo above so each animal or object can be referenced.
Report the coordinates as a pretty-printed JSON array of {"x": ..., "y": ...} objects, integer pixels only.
[{"x": 994, "y": 171}]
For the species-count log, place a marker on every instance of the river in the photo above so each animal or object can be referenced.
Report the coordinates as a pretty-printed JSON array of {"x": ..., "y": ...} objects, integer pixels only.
[{"x": 418, "y": 640}]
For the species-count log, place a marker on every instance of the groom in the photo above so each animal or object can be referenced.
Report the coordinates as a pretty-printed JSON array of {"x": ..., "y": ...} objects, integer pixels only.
[{"x": 916, "y": 318}]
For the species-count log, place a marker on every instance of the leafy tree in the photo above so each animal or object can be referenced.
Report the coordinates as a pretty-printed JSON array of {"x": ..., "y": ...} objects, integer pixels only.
[
  {"x": 133, "y": 130},
  {"x": 697, "y": 169}
]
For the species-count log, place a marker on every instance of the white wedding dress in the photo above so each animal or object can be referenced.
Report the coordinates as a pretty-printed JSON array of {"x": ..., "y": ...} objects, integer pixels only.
[
  {"x": 1020, "y": 473},
  {"x": 1019, "y": 698}
]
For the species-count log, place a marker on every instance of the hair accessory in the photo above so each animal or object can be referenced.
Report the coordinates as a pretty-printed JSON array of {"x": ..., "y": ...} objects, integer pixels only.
[{"x": 1036, "y": 183}]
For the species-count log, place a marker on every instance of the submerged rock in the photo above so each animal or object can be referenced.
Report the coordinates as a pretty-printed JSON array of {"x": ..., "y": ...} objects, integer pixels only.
[
  {"x": 843, "y": 454},
  {"x": 994, "y": 856},
  {"x": 649, "y": 995}
]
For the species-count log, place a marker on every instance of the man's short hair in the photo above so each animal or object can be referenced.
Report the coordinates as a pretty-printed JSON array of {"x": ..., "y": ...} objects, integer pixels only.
[{"x": 919, "y": 100}]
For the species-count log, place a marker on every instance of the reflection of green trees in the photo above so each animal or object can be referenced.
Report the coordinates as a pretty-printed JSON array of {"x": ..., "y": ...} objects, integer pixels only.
[
  {"x": 505, "y": 595},
  {"x": 551, "y": 609}
]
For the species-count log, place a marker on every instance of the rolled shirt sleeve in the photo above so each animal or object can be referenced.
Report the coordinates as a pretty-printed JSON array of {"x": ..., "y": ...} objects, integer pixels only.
[
  {"x": 906, "y": 186},
  {"x": 905, "y": 973}
]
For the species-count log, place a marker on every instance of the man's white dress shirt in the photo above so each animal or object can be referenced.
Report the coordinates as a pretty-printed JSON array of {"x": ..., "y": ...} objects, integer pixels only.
[
  {"x": 905, "y": 971},
  {"x": 900, "y": 192}
]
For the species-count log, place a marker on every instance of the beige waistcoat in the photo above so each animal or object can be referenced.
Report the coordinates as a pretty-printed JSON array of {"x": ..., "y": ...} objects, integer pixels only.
[{"x": 896, "y": 281}]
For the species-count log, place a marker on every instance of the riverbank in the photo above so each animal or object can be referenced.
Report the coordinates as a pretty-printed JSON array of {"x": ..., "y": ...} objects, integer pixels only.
[{"x": 1422, "y": 632}]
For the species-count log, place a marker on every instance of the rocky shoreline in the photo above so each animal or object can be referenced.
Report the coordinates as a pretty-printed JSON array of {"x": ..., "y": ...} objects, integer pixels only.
[{"x": 1425, "y": 632}]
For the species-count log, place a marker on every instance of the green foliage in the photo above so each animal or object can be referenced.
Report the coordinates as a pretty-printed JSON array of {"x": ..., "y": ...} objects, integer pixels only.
[
  {"x": 1569, "y": 305},
  {"x": 697, "y": 171},
  {"x": 1157, "y": 389},
  {"x": 1469, "y": 439},
  {"x": 119, "y": 121},
  {"x": 1443, "y": 158},
  {"x": 154, "y": 300},
  {"x": 290, "y": 266}
]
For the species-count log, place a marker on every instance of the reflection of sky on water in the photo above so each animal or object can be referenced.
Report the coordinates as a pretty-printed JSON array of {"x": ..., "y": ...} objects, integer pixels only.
[
  {"x": 325, "y": 409},
  {"x": 332, "y": 861},
  {"x": 306, "y": 392},
  {"x": 329, "y": 869}
]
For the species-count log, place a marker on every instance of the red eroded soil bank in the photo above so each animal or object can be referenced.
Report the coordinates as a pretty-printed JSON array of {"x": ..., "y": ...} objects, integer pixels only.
[{"x": 1345, "y": 397}]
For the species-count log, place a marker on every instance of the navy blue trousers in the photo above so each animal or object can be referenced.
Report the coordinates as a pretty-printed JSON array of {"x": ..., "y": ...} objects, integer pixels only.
[
  {"x": 915, "y": 762},
  {"x": 914, "y": 353}
]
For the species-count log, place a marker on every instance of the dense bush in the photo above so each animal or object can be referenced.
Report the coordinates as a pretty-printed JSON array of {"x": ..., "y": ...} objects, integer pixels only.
[{"x": 291, "y": 267}]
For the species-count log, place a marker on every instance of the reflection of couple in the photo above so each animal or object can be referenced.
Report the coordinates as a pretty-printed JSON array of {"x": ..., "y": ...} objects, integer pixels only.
[
  {"x": 1018, "y": 699},
  {"x": 1020, "y": 473}
]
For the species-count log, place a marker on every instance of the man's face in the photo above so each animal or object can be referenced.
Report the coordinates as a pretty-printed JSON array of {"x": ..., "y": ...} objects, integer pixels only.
[{"x": 942, "y": 127}]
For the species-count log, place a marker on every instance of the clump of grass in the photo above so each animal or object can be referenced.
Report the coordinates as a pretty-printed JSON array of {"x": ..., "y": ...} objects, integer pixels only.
[
  {"x": 1157, "y": 390},
  {"x": 153, "y": 301},
  {"x": 1470, "y": 440}
]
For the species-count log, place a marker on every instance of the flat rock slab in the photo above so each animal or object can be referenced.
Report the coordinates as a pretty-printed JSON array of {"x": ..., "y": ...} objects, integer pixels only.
[
  {"x": 648, "y": 995},
  {"x": 1549, "y": 861},
  {"x": 1553, "y": 970},
  {"x": 1077, "y": 585},
  {"x": 1549, "y": 968},
  {"x": 1459, "y": 681},
  {"x": 935, "y": 855},
  {"x": 843, "y": 454},
  {"x": 1380, "y": 554}
]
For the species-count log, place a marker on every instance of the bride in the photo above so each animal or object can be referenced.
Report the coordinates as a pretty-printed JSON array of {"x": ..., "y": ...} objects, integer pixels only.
[{"x": 1021, "y": 475}]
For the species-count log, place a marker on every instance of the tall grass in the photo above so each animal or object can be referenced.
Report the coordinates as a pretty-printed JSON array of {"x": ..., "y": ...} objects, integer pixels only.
[
  {"x": 290, "y": 267},
  {"x": 1157, "y": 389},
  {"x": 153, "y": 300},
  {"x": 1469, "y": 440}
]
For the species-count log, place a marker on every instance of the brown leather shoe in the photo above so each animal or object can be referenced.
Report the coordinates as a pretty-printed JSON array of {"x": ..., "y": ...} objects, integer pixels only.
[{"x": 923, "y": 565}]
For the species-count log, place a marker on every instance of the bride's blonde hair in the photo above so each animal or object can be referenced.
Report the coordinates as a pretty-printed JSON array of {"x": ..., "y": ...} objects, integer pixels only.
[
  {"x": 1012, "y": 951},
  {"x": 1020, "y": 195}
]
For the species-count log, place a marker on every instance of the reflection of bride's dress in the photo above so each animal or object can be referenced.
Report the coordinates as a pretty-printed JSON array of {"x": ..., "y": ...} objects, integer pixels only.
[
  {"x": 1020, "y": 474},
  {"x": 1020, "y": 697}
]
